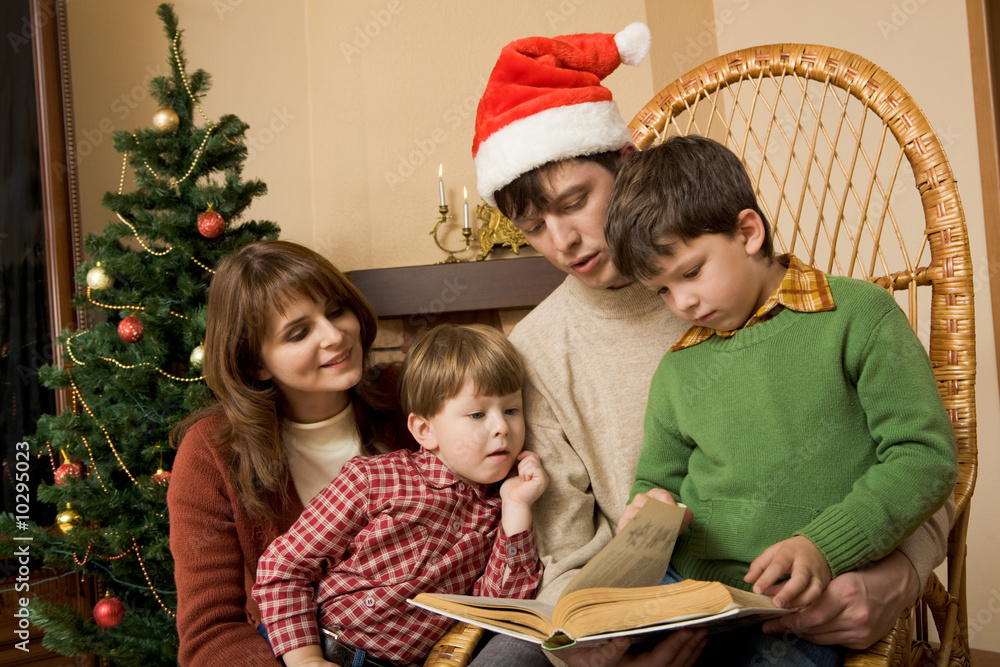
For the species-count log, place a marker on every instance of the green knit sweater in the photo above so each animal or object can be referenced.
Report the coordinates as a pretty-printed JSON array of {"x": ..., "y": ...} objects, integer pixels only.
[{"x": 827, "y": 425}]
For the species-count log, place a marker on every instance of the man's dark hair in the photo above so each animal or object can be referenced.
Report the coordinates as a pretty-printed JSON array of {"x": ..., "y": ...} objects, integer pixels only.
[{"x": 526, "y": 195}]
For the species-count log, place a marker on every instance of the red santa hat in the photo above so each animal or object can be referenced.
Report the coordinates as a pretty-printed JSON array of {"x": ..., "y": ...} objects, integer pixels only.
[{"x": 544, "y": 102}]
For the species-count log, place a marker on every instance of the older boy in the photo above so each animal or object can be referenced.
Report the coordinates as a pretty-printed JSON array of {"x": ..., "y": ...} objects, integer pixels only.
[
  {"x": 818, "y": 441},
  {"x": 591, "y": 348},
  {"x": 394, "y": 525}
]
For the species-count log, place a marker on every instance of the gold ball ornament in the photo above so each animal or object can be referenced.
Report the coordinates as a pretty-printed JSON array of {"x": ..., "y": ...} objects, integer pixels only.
[
  {"x": 166, "y": 120},
  {"x": 98, "y": 278},
  {"x": 68, "y": 519},
  {"x": 197, "y": 356}
]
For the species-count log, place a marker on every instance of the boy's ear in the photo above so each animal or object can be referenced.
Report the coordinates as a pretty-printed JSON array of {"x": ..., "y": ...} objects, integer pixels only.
[
  {"x": 751, "y": 230},
  {"x": 420, "y": 429},
  {"x": 626, "y": 149}
]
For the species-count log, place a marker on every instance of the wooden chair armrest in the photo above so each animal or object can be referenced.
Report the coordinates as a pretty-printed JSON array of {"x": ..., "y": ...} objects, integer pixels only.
[{"x": 455, "y": 648}]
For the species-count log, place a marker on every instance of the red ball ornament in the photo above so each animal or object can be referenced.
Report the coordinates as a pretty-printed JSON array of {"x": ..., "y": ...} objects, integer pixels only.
[
  {"x": 109, "y": 612},
  {"x": 130, "y": 329},
  {"x": 67, "y": 471},
  {"x": 211, "y": 224},
  {"x": 161, "y": 477}
]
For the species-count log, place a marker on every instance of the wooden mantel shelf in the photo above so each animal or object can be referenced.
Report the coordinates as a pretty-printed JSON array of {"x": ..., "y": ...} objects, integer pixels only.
[{"x": 464, "y": 286}]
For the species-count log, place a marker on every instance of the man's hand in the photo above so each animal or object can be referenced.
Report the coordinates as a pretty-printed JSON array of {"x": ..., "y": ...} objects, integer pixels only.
[
  {"x": 858, "y": 607},
  {"x": 656, "y": 494},
  {"x": 809, "y": 572},
  {"x": 680, "y": 649}
]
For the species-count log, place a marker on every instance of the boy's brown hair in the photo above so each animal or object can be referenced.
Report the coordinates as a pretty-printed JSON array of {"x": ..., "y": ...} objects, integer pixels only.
[
  {"x": 526, "y": 195},
  {"x": 446, "y": 357},
  {"x": 681, "y": 189}
]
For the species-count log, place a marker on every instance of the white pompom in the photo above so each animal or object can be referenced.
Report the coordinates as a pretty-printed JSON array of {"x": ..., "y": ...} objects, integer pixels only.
[{"x": 633, "y": 43}]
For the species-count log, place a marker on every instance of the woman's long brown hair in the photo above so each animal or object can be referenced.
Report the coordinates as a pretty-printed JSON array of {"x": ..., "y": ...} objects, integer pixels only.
[{"x": 248, "y": 286}]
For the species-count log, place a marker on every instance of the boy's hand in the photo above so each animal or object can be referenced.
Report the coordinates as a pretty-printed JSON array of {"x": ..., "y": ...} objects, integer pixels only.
[
  {"x": 809, "y": 572},
  {"x": 656, "y": 494},
  {"x": 307, "y": 656},
  {"x": 529, "y": 483},
  {"x": 519, "y": 493}
]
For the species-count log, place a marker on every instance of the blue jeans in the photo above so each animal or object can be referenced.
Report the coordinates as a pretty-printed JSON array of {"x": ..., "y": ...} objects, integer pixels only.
[
  {"x": 752, "y": 648},
  {"x": 503, "y": 651}
]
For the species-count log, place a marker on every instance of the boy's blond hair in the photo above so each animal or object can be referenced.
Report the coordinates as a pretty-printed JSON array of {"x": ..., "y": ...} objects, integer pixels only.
[{"x": 446, "y": 357}]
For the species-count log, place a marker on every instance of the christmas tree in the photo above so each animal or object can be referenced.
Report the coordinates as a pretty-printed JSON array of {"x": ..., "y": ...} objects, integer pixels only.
[{"x": 135, "y": 372}]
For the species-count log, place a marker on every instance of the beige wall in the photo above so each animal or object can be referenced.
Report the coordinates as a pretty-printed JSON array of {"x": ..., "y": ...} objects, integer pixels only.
[{"x": 352, "y": 106}]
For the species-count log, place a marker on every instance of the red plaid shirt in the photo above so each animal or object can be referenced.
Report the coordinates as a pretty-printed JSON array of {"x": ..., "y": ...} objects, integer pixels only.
[{"x": 389, "y": 527}]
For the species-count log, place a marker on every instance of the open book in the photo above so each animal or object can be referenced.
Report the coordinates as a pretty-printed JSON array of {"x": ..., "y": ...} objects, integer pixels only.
[{"x": 616, "y": 593}]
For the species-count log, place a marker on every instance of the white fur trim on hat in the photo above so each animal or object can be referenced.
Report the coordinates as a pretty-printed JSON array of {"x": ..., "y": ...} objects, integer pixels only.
[
  {"x": 633, "y": 43},
  {"x": 547, "y": 136}
]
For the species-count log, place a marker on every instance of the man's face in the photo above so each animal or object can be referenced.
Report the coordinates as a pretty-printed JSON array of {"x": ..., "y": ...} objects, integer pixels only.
[{"x": 570, "y": 232}]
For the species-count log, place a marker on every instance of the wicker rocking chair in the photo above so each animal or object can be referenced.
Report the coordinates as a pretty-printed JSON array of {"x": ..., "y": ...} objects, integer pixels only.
[{"x": 825, "y": 135}]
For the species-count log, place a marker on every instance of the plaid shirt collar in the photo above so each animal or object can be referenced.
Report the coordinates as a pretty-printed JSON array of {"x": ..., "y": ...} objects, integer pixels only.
[
  {"x": 436, "y": 474},
  {"x": 803, "y": 289}
]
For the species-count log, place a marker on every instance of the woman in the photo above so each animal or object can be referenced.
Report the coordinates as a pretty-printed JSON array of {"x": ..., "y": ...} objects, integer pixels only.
[{"x": 286, "y": 355}]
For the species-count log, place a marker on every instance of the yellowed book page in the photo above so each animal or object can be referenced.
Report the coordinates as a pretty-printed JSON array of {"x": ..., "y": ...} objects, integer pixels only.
[
  {"x": 747, "y": 599},
  {"x": 637, "y": 556},
  {"x": 519, "y": 623},
  {"x": 598, "y": 610}
]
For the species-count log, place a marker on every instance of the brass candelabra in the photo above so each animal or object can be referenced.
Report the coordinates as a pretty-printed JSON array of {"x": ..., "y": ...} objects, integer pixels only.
[{"x": 466, "y": 232}]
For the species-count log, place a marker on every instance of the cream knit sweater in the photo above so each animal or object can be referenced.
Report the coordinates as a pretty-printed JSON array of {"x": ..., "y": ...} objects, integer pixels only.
[{"x": 590, "y": 355}]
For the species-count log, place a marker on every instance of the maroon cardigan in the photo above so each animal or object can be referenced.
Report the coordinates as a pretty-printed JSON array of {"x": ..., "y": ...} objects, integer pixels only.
[{"x": 215, "y": 545}]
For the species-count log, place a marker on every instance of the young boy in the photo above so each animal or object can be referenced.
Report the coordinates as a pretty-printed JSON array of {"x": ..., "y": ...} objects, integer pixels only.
[
  {"x": 394, "y": 525},
  {"x": 798, "y": 417}
]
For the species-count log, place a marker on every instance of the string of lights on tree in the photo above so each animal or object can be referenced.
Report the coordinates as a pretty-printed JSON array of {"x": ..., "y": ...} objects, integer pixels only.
[{"x": 109, "y": 611}]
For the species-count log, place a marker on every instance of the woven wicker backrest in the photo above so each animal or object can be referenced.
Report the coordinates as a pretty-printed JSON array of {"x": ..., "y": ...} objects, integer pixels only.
[{"x": 854, "y": 181}]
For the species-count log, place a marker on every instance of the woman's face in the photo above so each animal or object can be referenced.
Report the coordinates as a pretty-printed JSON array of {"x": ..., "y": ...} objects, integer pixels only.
[{"x": 313, "y": 354}]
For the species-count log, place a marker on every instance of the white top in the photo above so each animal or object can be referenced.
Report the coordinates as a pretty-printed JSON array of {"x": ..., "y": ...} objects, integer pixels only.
[{"x": 316, "y": 452}]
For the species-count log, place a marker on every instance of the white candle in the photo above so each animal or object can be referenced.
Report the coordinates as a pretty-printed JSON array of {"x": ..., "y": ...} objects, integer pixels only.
[
  {"x": 465, "y": 195},
  {"x": 441, "y": 183}
]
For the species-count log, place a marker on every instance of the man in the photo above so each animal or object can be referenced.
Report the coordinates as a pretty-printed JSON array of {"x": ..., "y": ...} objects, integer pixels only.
[{"x": 548, "y": 137}]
